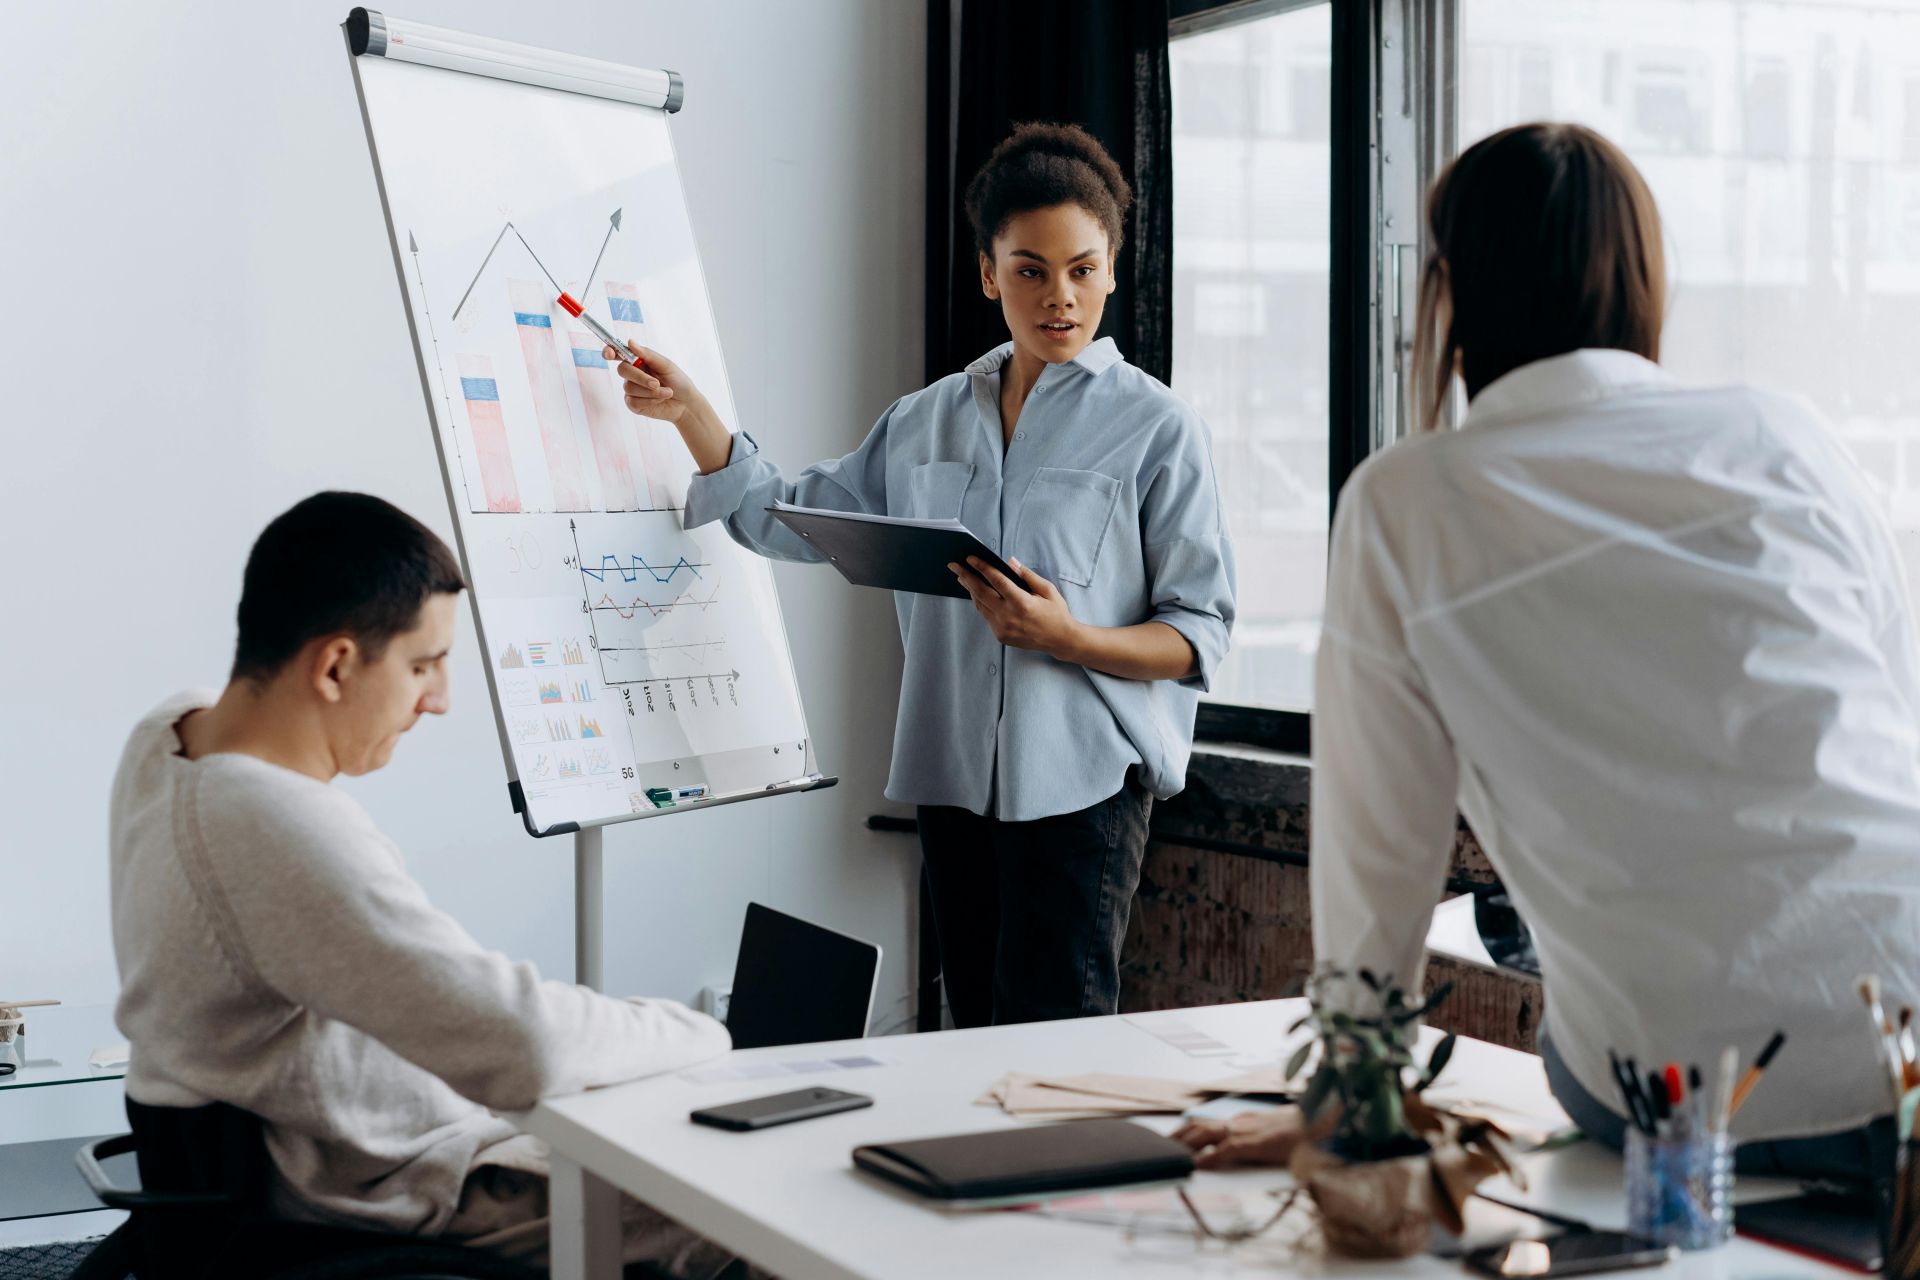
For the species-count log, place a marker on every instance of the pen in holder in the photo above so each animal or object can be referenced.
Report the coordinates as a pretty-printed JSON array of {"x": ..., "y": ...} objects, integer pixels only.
[{"x": 1679, "y": 1187}]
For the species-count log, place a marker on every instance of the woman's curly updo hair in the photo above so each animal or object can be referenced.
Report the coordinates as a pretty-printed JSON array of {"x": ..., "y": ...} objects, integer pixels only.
[{"x": 1039, "y": 166}]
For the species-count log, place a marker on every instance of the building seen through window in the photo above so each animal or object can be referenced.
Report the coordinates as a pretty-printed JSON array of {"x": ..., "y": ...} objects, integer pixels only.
[
  {"x": 1782, "y": 141},
  {"x": 1251, "y": 136}
]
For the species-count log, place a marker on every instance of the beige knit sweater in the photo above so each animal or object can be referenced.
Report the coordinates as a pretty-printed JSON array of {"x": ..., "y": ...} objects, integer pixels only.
[{"x": 275, "y": 954}]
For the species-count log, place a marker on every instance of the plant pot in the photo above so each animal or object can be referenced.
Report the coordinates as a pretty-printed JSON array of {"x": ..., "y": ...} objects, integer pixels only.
[
  {"x": 1380, "y": 1208},
  {"x": 1388, "y": 1206}
]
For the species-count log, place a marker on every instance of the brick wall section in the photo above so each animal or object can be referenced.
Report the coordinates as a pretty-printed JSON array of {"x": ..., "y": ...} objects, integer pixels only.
[
  {"x": 1487, "y": 1006},
  {"x": 1223, "y": 914}
]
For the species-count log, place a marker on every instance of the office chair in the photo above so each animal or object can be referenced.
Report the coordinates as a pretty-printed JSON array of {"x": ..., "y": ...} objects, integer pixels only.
[{"x": 201, "y": 1214}]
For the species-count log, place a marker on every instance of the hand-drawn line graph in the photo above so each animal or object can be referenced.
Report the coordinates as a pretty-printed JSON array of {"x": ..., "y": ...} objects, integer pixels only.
[
  {"x": 625, "y": 623},
  {"x": 494, "y": 247},
  {"x": 635, "y": 566},
  {"x": 696, "y": 653},
  {"x": 637, "y": 605}
]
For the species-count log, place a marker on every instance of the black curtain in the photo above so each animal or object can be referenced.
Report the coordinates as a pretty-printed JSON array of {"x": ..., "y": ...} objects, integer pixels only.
[{"x": 1101, "y": 64}]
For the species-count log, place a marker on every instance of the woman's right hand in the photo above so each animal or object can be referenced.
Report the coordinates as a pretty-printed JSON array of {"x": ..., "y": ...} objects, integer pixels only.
[{"x": 654, "y": 386}]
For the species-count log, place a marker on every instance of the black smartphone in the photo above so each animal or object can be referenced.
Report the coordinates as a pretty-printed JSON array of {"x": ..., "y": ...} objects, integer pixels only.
[
  {"x": 780, "y": 1108},
  {"x": 1574, "y": 1254}
]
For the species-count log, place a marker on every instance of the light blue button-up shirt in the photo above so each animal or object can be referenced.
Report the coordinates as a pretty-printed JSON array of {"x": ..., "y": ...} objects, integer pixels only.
[{"x": 1106, "y": 489}]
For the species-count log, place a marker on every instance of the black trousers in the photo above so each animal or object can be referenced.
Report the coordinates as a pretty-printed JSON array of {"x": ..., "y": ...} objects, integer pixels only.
[{"x": 1031, "y": 915}]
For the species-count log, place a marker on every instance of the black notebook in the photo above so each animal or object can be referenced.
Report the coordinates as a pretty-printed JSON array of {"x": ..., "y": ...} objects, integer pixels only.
[
  {"x": 893, "y": 552},
  {"x": 1842, "y": 1230},
  {"x": 1032, "y": 1160}
]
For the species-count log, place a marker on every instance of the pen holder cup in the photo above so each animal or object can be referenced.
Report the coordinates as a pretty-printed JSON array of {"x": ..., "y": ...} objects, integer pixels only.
[{"x": 1679, "y": 1189}]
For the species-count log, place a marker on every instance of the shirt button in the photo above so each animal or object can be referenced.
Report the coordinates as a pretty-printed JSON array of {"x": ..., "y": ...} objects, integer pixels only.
[
  {"x": 992, "y": 669},
  {"x": 1019, "y": 435}
]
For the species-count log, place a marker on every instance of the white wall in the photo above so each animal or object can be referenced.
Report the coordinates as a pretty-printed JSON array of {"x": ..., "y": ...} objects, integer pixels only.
[{"x": 201, "y": 325}]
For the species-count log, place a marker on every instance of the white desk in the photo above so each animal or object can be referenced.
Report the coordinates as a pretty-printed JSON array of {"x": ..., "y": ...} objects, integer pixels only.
[{"x": 789, "y": 1199}]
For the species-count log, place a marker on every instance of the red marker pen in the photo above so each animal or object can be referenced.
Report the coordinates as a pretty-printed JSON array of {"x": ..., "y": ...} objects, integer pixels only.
[{"x": 579, "y": 313}]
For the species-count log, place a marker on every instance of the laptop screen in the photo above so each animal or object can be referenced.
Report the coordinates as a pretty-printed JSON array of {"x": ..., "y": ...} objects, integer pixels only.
[{"x": 796, "y": 983}]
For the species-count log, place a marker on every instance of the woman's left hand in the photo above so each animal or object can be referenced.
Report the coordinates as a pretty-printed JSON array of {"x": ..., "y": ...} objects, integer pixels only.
[{"x": 1036, "y": 618}]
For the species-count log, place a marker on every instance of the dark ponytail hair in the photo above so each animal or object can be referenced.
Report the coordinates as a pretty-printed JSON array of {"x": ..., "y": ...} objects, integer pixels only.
[{"x": 1039, "y": 166}]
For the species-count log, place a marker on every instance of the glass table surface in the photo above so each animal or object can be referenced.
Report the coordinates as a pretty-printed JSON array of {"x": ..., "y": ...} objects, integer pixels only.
[{"x": 54, "y": 1045}]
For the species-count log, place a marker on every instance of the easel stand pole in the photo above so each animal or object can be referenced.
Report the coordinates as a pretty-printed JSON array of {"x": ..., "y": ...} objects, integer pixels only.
[{"x": 589, "y": 953}]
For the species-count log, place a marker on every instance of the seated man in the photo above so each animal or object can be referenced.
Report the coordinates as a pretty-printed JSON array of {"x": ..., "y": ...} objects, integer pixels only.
[{"x": 275, "y": 955}]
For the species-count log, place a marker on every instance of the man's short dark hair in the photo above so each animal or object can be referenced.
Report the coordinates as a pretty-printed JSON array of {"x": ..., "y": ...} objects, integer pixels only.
[{"x": 337, "y": 563}]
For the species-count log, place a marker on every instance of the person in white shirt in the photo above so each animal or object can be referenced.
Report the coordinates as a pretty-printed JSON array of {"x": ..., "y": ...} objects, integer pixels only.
[
  {"x": 275, "y": 955},
  {"x": 1652, "y": 640}
]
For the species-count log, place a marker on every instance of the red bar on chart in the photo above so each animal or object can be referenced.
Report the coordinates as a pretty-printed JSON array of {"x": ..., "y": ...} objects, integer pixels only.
[
  {"x": 657, "y": 449},
  {"x": 605, "y": 421},
  {"x": 489, "y": 432},
  {"x": 532, "y": 315}
]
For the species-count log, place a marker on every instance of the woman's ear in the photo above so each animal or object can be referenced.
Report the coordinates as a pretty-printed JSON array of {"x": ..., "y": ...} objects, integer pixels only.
[
  {"x": 1113, "y": 270},
  {"x": 988, "y": 285}
]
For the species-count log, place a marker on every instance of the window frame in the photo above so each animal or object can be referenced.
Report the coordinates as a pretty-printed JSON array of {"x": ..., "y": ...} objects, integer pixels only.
[{"x": 1393, "y": 62}]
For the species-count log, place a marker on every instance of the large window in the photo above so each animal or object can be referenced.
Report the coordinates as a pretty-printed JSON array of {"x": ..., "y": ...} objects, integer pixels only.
[
  {"x": 1251, "y": 155},
  {"x": 1782, "y": 142}
]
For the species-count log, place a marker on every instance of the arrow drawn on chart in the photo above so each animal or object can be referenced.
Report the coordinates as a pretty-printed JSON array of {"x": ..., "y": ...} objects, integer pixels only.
[
  {"x": 413, "y": 247},
  {"x": 615, "y": 220}
]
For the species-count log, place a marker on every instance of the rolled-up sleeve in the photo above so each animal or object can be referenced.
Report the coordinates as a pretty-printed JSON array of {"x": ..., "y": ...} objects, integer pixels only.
[
  {"x": 1189, "y": 558},
  {"x": 740, "y": 493}
]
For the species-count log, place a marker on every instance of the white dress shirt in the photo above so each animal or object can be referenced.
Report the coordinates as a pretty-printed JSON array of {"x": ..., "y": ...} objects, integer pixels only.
[{"x": 1654, "y": 641}]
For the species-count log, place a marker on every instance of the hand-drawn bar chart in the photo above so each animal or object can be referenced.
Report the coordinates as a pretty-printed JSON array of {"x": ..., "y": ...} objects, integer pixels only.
[{"x": 531, "y": 451}]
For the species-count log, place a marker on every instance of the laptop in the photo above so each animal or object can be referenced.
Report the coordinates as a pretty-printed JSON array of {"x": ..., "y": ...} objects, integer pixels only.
[{"x": 797, "y": 983}]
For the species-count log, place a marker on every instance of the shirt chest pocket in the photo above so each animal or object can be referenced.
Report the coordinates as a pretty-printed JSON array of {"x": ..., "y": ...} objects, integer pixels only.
[
  {"x": 935, "y": 490},
  {"x": 1065, "y": 521}
]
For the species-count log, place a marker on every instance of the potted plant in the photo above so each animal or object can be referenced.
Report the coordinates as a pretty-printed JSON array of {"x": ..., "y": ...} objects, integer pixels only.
[{"x": 1382, "y": 1166}]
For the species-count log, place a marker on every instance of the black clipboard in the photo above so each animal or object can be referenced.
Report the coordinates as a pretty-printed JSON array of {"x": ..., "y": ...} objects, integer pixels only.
[{"x": 889, "y": 552}]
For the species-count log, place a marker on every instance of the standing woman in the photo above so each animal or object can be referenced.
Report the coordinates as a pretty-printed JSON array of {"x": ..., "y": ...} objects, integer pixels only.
[
  {"x": 1655, "y": 642},
  {"x": 1038, "y": 721}
]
